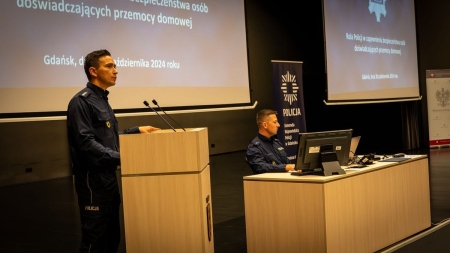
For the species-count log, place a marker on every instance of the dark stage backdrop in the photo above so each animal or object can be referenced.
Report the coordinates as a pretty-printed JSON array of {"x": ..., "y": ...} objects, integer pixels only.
[{"x": 275, "y": 30}]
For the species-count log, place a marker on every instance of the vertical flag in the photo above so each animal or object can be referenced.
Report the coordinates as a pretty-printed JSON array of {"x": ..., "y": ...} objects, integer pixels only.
[{"x": 288, "y": 100}]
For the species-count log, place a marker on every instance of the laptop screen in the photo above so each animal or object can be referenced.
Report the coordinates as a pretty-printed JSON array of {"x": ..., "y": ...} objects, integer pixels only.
[{"x": 353, "y": 146}]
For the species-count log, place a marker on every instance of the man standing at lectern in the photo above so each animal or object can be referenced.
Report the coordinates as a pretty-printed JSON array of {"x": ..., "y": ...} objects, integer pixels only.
[
  {"x": 93, "y": 135},
  {"x": 266, "y": 153}
]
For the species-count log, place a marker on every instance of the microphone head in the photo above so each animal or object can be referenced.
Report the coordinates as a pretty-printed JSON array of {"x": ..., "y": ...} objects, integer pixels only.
[
  {"x": 154, "y": 102},
  {"x": 146, "y": 103}
]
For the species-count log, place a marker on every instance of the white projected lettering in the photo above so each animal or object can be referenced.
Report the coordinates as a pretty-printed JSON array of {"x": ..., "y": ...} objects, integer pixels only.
[
  {"x": 97, "y": 12},
  {"x": 54, "y": 60},
  {"x": 183, "y": 53},
  {"x": 380, "y": 53}
]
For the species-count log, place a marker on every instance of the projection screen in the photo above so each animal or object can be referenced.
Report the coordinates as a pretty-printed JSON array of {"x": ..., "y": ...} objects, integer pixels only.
[
  {"x": 371, "y": 52},
  {"x": 181, "y": 53}
]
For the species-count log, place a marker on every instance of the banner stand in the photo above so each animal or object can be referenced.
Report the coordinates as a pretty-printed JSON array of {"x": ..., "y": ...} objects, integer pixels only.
[
  {"x": 438, "y": 98},
  {"x": 288, "y": 101}
]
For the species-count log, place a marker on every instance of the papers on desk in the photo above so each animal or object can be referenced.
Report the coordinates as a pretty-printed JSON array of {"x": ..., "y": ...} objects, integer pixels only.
[
  {"x": 413, "y": 156},
  {"x": 400, "y": 159}
]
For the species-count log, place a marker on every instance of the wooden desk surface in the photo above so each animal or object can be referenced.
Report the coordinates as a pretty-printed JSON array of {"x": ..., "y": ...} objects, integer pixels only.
[{"x": 286, "y": 176}]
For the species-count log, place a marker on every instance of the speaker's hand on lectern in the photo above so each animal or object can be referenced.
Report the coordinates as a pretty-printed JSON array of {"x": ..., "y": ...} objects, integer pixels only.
[{"x": 148, "y": 129}]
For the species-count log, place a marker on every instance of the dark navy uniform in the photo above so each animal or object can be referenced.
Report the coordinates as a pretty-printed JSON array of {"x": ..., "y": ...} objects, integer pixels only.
[
  {"x": 266, "y": 155},
  {"x": 94, "y": 148}
]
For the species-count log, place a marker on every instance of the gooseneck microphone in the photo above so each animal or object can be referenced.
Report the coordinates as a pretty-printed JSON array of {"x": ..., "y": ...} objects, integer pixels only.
[
  {"x": 147, "y": 104},
  {"x": 156, "y": 103}
]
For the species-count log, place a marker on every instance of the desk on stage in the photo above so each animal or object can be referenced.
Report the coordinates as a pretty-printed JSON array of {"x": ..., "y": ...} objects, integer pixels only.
[{"x": 361, "y": 211}]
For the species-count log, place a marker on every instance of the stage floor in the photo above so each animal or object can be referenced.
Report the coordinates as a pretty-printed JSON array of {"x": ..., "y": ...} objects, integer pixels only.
[{"x": 42, "y": 217}]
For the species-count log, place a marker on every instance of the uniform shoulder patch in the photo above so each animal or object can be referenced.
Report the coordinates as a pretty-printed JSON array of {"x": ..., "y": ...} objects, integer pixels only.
[
  {"x": 84, "y": 94},
  {"x": 254, "y": 144},
  {"x": 277, "y": 141}
]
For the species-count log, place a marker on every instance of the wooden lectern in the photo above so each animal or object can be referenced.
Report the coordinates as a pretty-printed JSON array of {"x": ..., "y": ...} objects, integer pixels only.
[{"x": 166, "y": 191}]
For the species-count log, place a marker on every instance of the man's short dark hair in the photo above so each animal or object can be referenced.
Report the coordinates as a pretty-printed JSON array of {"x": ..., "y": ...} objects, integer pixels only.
[
  {"x": 92, "y": 60},
  {"x": 261, "y": 115}
]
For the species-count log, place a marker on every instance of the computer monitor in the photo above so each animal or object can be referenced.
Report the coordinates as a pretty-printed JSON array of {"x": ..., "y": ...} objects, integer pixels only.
[{"x": 310, "y": 145}]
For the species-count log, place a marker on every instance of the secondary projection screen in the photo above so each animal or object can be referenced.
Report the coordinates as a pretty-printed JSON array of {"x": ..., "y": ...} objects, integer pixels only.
[
  {"x": 181, "y": 53},
  {"x": 371, "y": 51}
]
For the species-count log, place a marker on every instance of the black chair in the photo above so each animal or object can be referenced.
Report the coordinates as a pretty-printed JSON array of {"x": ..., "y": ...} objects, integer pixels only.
[{"x": 254, "y": 172}]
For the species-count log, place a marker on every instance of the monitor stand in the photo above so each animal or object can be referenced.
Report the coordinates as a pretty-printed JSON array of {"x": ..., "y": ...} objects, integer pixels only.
[{"x": 330, "y": 164}]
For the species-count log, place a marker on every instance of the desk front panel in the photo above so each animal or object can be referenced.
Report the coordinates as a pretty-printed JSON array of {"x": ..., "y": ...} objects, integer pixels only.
[
  {"x": 370, "y": 211},
  {"x": 362, "y": 211},
  {"x": 284, "y": 217}
]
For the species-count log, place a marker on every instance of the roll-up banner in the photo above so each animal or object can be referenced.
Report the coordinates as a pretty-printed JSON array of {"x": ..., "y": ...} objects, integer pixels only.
[
  {"x": 287, "y": 80},
  {"x": 438, "y": 97}
]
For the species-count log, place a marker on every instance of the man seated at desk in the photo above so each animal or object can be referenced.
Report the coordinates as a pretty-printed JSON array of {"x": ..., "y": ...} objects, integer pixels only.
[{"x": 266, "y": 153}]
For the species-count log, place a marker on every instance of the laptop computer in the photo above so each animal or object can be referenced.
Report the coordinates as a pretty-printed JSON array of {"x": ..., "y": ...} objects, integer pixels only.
[{"x": 353, "y": 145}]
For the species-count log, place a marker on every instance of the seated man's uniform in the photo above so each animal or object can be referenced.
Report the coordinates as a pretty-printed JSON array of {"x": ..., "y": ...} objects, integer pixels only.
[{"x": 266, "y": 155}]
